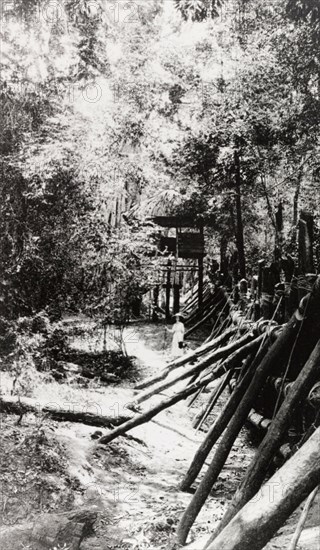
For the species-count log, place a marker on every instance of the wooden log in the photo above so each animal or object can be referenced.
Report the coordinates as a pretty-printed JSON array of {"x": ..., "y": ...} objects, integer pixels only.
[
  {"x": 279, "y": 349},
  {"x": 23, "y": 405},
  {"x": 50, "y": 531},
  {"x": 208, "y": 302},
  {"x": 197, "y": 315},
  {"x": 212, "y": 358},
  {"x": 139, "y": 419},
  {"x": 219, "y": 425},
  {"x": 213, "y": 398},
  {"x": 258, "y": 420},
  {"x": 219, "y": 371},
  {"x": 200, "y": 277},
  {"x": 302, "y": 520},
  {"x": 188, "y": 358},
  {"x": 203, "y": 319},
  {"x": 309, "y": 540},
  {"x": 168, "y": 290},
  {"x": 273, "y": 439},
  {"x": 266, "y": 512}
]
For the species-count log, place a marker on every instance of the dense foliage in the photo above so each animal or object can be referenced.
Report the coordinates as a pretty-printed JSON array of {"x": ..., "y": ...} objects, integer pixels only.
[{"x": 104, "y": 104}]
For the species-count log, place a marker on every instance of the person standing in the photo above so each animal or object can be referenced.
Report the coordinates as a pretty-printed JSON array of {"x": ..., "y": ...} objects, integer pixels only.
[{"x": 178, "y": 336}]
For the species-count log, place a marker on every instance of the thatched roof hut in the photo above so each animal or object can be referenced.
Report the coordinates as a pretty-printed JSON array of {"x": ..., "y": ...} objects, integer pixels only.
[{"x": 165, "y": 208}]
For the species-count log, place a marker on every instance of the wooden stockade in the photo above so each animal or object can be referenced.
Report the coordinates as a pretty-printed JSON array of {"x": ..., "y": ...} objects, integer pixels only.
[{"x": 267, "y": 349}]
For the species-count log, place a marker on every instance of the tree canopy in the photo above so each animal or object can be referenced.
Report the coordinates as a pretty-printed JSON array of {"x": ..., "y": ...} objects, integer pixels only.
[{"x": 104, "y": 104}]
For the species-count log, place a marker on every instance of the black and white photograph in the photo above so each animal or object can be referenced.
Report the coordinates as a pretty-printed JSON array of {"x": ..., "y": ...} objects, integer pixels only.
[{"x": 159, "y": 275}]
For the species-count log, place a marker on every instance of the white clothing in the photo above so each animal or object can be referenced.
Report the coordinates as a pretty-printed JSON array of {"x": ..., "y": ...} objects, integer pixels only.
[{"x": 178, "y": 336}]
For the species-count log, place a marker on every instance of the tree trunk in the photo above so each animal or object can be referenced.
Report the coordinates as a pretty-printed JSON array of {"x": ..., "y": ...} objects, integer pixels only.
[
  {"x": 306, "y": 243},
  {"x": 239, "y": 225},
  {"x": 260, "y": 519}
]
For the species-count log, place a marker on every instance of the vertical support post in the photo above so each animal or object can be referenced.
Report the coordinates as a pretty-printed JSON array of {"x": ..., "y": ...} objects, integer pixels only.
[
  {"x": 176, "y": 285},
  {"x": 155, "y": 303},
  {"x": 176, "y": 297},
  {"x": 200, "y": 276},
  {"x": 168, "y": 287}
]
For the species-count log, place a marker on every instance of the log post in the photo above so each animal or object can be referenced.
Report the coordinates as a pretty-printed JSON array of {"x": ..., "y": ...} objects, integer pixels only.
[
  {"x": 189, "y": 357},
  {"x": 155, "y": 303},
  {"x": 176, "y": 297},
  {"x": 200, "y": 275},
  {"x": 168, "y": 288},
  {"x": 279, "y": 350},
  {"x": 273, "y": 439},
  {"x": 220, "y": 424},
  {"x": 266, "y": 512},
  {"x": 216, "y": 373},
  {"x": 220, "y": 353}
]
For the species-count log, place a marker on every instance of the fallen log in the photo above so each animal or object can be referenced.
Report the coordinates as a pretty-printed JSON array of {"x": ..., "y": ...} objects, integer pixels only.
[
  {"x": 273, "y": 439},
  {"x": 21, "y": 406},
  {"x": 50, "y": 531},
  {"x": 65, "y": 369},
  {"x": 187, "y": 358},
  {"x": 210, "y": 359},
  {"x": 266, "y": 512},
  {"x": 276, "y": 353}
]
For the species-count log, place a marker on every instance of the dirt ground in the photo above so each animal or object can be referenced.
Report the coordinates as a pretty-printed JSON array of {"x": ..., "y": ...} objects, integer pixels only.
[{"x": 133, "y": 482}]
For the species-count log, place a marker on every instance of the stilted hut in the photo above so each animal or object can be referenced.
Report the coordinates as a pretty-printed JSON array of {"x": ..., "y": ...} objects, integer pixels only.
[{"x": 179, "y": 238}]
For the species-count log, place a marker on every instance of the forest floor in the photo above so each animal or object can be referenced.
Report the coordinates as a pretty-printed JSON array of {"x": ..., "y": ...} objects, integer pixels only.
[{"x": 133, "y": 482}]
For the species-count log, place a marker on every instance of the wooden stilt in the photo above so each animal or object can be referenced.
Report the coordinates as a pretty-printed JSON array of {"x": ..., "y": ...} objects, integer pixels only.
[{"x": 168, "y": 289}]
